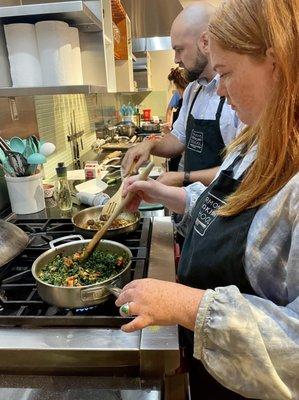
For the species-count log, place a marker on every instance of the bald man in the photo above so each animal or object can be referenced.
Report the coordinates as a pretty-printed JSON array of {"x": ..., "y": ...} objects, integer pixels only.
[{"x": 206, "y": 123}]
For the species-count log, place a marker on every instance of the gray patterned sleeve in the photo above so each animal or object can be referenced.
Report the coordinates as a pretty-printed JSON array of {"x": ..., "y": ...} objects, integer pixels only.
[
  {"x": 250, "y": 344},
  {"x": 192, "y": 193}
]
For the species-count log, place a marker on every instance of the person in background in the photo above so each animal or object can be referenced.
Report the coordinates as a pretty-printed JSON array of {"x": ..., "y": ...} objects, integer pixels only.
[
  {"x": 206, "y": 122},
  {"x": 237, "y": 299},
  {"x": 177, "y": 77},
  {"x": 173, "y": 103}
]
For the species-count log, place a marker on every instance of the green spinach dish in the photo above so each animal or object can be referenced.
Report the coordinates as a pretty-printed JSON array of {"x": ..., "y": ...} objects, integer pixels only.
[{"x": 68, "y": 271}]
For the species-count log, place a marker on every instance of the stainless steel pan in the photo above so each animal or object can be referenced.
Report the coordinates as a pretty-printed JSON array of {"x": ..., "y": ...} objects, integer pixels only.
[
  {"x": 12, "y": 241},
  {"x": 80, "y": 219},
  {"x": 85, "y": 296}
]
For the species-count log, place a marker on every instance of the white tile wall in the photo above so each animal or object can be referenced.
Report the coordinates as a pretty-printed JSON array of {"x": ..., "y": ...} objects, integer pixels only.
[{"x": 53, "y": 115}]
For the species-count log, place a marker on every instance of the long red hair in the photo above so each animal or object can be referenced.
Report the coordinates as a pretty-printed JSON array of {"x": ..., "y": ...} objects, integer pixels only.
[{"x": 251, "y": 27}]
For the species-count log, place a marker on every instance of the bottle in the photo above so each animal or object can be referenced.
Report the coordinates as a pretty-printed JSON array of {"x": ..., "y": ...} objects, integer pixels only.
[{"x": 62, "y": 189}]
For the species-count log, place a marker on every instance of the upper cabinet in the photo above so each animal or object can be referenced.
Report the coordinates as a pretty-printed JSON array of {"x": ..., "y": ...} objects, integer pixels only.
[{"x": 122, "y": 48}]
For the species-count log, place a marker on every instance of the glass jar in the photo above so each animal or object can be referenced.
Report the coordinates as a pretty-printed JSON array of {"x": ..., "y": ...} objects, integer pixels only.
[{"x": 62, "y": 193}]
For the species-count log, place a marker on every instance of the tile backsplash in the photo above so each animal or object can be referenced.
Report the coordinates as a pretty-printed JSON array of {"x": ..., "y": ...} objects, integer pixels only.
[
  {"x": 50, "y": 117},
  {"x": 54, "y": 115}
]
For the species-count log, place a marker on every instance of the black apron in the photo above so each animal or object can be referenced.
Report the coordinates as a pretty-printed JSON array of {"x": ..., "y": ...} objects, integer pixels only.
[
  {"x": 212, "y": 256},
  {"x": 174, "y": 162},
  {"x": 204, "y": 142}
]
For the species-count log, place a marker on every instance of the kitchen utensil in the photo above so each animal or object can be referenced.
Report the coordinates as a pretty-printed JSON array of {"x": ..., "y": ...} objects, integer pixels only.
[
  {"x": 36, "y": 159},
  {"x": 34, "y": 143},
  {"x": 12, "y": 241},
  {"x": 17, "y": 144},
  {"x": 17, "y": 161},
  {"x": 7, "y": 168},
  {"x": 113, "y": 212},
  {"x": 80, "y": 219},
  {"x": 47, "y": 149},
  {"x": 28, "y": 148},
  {"x": 116, "y": 198},
  {"x": 84, "y": 296}
]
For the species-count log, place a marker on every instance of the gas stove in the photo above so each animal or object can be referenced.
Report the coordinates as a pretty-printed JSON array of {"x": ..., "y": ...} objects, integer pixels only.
[
  {"x": 39, "y": 339},
  {"x": 20, "y": 303}
]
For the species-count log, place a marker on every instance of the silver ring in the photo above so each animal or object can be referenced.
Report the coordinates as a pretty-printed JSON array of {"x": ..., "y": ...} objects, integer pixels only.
[{"x": 124, "y": 310}]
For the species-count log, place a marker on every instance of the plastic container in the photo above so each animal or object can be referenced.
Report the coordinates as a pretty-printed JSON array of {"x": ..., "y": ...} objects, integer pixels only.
[
  {"x": 26, "y": 193},
  {"x": 147, "y": 114}
]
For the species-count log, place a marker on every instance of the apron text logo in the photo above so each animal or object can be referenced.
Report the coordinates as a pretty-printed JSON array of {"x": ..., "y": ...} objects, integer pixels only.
[
  {"x": 196, "y": 141},
  {"x": 207, "y": 213}
]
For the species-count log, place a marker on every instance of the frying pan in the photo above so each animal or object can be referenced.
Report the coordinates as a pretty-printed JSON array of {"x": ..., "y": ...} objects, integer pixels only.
[
  {"x": 81, "y": 218},
  {"x": 12, "y": 241},
  {"x": 81, "y": 296}
]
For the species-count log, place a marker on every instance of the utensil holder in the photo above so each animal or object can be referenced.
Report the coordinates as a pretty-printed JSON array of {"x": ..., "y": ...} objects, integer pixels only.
[{"x": 26, "y": 193}]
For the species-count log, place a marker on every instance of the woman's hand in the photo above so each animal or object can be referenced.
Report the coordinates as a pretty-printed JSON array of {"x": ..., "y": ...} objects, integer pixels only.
[
  {"x": 156, "y": 302},
  {"x": 149, "y": 191}
]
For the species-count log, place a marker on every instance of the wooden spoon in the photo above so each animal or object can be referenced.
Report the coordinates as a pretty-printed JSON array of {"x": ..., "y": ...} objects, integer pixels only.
[{"x": 119, "y": 208}]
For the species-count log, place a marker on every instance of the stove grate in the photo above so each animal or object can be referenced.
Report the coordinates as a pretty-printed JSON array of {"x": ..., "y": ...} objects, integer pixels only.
[{"x": 20, "y": 303}]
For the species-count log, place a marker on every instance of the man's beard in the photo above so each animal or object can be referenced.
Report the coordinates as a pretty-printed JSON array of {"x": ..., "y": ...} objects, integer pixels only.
[{"x": 197, "y": 70}]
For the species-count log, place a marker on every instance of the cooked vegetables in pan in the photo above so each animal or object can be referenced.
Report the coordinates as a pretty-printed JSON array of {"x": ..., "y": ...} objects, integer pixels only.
[
  {"x": 93, "y": 224},
  {"x": 67, "y": 271}
]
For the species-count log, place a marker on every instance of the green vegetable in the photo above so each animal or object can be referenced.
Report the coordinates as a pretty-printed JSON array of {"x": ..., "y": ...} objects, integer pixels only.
[{"x": 69, "y": 271}]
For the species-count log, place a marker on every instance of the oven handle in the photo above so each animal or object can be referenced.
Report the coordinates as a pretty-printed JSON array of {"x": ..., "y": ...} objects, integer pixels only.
[{"x": 55, "y": 241}]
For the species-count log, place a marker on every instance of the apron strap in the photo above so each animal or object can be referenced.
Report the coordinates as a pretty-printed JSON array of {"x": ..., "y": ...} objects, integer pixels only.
[
  {"x": 194, "y": 99},
  {"x": 234, "y": 163},
  {"x": 220, "y": 107}
]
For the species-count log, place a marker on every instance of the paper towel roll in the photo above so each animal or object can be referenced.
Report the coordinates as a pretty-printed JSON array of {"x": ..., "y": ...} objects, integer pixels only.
[
  {"x": 23, "y": 55},
  {"x": 5, "y": 78},
  {"x": 77, "y": 75},
  {"x": 55, "y": 52}
]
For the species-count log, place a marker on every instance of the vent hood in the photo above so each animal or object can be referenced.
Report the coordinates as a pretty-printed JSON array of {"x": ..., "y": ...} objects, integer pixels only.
[{"x": 151, "y": 21}]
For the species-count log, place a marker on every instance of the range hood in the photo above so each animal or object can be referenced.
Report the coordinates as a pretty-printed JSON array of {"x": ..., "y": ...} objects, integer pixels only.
[{"x": 151, "y": 21}]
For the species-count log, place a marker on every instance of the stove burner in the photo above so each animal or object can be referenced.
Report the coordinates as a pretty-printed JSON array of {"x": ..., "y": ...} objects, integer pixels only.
[
  {"x": 40, "y": 240},
  {"x": 20, "y": 303}
]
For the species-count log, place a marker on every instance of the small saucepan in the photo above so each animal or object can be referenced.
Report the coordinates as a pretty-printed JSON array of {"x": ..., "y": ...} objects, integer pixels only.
[
  {"x": 82, "y": 219},
  {"x": 81, "y": 296}
]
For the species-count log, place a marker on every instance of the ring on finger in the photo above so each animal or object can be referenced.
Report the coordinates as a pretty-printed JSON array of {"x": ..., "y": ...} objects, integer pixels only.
[{"x": 124, "y": 310}]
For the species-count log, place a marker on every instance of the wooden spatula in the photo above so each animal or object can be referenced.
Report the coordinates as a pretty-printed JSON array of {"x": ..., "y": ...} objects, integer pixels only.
[
  {"x": 111, "y": 204},
  {"x": 119, "y": 208}
]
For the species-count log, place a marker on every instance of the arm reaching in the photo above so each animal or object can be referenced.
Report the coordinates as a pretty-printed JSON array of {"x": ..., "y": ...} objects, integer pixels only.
[
  {"x": 205, "y": 176},
  {"x": 168, "y": 146},
  {"x": 152, "y": 191}
]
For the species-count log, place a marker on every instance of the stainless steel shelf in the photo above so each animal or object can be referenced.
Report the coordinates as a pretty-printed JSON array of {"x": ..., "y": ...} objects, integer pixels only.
[
  {"x": 51, "y": 90},
  {"x": 76, "y": 13}
]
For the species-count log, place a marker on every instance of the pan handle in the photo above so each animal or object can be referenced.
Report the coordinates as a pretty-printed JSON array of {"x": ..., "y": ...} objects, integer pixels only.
[
  {"x": 55, "y": 241},
  {"x": 97, "y": 293},
  {"x": 114, "y": 290}
]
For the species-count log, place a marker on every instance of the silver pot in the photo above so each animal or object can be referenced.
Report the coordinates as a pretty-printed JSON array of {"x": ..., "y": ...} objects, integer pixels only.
[
  {"x": 12, "y": 241},
  {"x": 126, "y": 129},
  {"x": 80, "y": 297}
]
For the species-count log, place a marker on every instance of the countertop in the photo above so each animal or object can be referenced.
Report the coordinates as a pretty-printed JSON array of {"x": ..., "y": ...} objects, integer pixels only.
[{"x": 22, "y": 387}]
